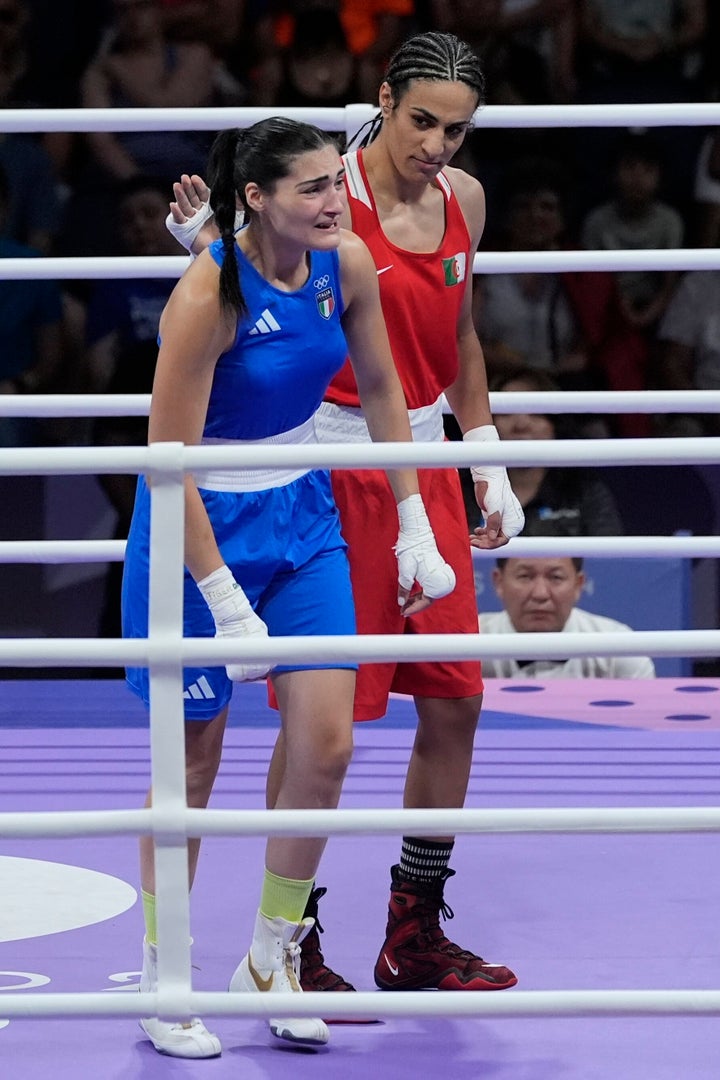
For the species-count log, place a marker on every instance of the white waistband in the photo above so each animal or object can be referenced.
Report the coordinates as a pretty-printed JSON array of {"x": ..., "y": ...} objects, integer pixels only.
[
  {"x": 345, "y": 424},
  {"x": 256, "y": 479}
]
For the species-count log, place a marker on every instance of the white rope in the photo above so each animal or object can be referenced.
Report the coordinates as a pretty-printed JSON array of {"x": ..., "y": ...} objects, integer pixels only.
[
  {"x": 177, "y": 827},
  {"x": 57, "y": 268},
  {"x": 647, "y": 547},
  {"x": 61, "y": 551},
  {"x": 604, "y": 401},
  {"x": 173, "y": 1003},
  {"x": 71, "y": 460},
  {"x": 555, "y": 262},
  {"x": 76, "y": 405},
  {"x": 366, "y": 648},
  {"x": 603, "y": 547},
  {"x": 352, "y": 117},
  {"x": 501, "y": 402}
]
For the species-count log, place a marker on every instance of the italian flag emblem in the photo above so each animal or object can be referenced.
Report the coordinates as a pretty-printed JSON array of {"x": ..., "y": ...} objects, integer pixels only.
[
  {"x": 325, "y": 302},
  {"x": 454, "y": 268}
]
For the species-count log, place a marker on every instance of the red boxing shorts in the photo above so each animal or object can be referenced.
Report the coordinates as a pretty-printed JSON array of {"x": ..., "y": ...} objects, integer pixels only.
[{"x": 369, "y": 524}]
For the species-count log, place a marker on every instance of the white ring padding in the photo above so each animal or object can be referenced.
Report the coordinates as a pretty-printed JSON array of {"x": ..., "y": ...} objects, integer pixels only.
[
  {"x": 57, "y": 268},
  {"x": 353, "y": 116},
  {"x": 599, "y": 547},
  {"x": 86, "y": 404},
  {"x": 501, "y": 403},
  {"x": 73, "y": 460},
  {"x": 184, "y": 823},
  {"x": 172, "y": 651},
  {"x": 603, "y": 547},
  {"x": 62, "y": 551},
  {"x": 601, "y": 401},
  {"x": 176, "y": 1001}
]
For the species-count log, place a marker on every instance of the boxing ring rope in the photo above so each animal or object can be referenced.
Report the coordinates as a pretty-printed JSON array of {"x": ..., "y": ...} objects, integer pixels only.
[
  {"x": 350, "y": 118},
  {"x": 487, "y": 262},
  {"x": 169, "y": 820},
  {"x": 542, "y": 401},
  {"x": 649, "y": 547}
]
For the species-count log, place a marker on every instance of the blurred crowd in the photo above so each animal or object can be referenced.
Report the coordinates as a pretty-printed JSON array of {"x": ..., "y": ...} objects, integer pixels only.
[{"x": 106, "y": 193}]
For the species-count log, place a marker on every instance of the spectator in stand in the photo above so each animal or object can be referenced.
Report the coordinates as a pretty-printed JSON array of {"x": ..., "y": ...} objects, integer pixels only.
[
  {"x": 569, "y": 325},
  {"x": 559, "y": 501},
  {"x": 31, "y": 209},
  {"x": 529, "y": 318},
  {"x": 373, "y": 30},
  {"x": 640, "y": 51},
  {"x": 61, "y": 39},
  {"x": 643, "y": 51},
  {"x": 217, "y": 22},
  {"x": 528, "y": 45},
  {"x": 636, "y": 218},
  {"x": 31, "y": 333},
  {"x": 121, "y": 338},
  {"x": 539, "y": 596},
  {"x": 13, "y": 46},
  {"x": 138, "y": 65},
  {"x": 707, "y": 192},
  {"x": 689, "y": 349},
  {"x": 316, "y": 67}
]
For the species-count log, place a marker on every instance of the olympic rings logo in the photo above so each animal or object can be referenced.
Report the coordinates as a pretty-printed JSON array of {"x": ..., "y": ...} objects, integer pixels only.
[{"x": 321, "y": 282}]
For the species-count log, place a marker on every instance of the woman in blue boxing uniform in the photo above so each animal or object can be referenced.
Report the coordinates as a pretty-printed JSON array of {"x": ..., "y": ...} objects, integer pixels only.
[{"x": 250, "y": 338}]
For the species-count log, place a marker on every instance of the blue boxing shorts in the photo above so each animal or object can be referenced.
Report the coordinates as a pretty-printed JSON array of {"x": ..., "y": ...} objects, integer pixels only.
[{"x": 285, "y": 549}]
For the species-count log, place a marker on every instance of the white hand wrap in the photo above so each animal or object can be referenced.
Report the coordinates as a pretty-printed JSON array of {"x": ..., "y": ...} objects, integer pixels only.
[
  {"x": 417, "y": 554},
  {"x": 499, "y": 496},
  {"x": 185, "y": 232},
  {"x": 234, "y": 617}
]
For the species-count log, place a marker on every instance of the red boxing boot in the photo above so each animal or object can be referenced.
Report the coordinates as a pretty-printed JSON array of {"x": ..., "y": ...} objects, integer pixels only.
[{"x": 418, "y": 956}]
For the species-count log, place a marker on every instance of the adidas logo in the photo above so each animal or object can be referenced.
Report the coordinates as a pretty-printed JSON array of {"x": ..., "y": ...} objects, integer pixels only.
[
  {"x": 200, "y": 690},
  {"x": 265, "y": 324}
]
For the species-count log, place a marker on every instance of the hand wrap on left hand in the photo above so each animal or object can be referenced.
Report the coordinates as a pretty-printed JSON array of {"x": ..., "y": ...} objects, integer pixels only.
[
  {"x": 499, "y": 496},
  {"x": 417, "y": 554}
]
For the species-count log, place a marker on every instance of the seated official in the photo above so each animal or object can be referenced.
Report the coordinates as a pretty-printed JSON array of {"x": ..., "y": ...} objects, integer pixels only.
[{"x": 539, "y": 595}]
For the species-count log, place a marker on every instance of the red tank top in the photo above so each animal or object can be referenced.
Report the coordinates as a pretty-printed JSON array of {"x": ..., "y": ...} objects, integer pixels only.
[{"x": 421, "y": 294}]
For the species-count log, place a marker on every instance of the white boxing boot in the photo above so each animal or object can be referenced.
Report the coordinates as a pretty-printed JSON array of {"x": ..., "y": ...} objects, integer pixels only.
[
  {"x": 190, "y": 1040},
  {"x": 273, "y": 966}
]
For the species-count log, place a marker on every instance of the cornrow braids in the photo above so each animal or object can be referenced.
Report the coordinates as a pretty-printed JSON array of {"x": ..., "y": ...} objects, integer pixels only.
[
  {"x": 438, "y": 56},
  {"x": 435, "y": 56}
]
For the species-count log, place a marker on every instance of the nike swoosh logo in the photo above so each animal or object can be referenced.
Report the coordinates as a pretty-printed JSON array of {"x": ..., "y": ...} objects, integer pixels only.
[
  {"x": 263, "y": 985},
  {"x": 392, "y": 967},
  {"x": 384, "y": 269}
]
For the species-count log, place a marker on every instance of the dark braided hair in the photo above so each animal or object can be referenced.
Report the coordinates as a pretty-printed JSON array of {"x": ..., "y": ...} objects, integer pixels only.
[
  {"x": 261, "y": 154},
  {"x": 435, "y": 56}
]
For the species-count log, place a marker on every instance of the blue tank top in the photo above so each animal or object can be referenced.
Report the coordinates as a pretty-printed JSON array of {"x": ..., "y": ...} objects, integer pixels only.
[{"x": 286, "y": 350}]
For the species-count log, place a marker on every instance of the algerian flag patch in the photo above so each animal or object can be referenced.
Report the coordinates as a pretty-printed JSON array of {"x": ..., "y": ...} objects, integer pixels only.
[{"x": 454, "y": 268}]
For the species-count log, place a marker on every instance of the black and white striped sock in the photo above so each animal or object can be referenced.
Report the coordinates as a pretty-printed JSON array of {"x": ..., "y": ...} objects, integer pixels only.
[{"x": 423, "y": 860}]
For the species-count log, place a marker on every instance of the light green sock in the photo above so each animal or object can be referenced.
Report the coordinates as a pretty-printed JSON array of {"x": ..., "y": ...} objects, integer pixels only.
[
  {"x": 284, "y": 898},
  {"x": 148, "y": 902}
]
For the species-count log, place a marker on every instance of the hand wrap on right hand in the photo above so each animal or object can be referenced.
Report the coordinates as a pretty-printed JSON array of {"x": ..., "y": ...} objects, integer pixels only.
[
  {"x": 417, "y": 553},
  {"x": 186, "y": 232},
  {"x": 234, "y": 617}
]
